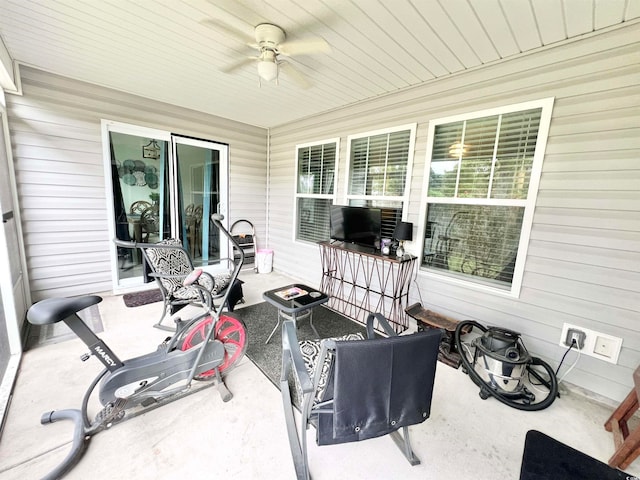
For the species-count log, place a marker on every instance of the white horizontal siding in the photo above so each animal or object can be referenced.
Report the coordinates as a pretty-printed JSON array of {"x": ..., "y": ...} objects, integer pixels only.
[
  {"x": 56, "y": 136},
  {"x": 583, "y": 265}
]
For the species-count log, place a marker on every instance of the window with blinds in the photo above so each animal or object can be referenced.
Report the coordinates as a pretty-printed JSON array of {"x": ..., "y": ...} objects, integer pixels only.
[
  {"x": 378, "y": 164},
  {"x": 480, "y": 171},
  {"x": 315, "y": 178},
  {"x": 378, "y": 169}
]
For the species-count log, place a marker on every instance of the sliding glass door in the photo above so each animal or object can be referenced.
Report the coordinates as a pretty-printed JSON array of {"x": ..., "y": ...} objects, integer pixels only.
[
  {"x": 163, "y": 186},
  {"x": 200, "y": 193}
]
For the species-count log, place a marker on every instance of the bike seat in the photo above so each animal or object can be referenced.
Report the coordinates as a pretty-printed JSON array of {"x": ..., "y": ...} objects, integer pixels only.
[{"x": 53, "y": 310}]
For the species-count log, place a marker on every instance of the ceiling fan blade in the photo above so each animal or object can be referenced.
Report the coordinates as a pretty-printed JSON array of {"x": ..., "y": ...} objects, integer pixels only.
[
  {"x": 228, "y": 30},
  {"x": 295, "y": 74},
  {"x": 239, "y": 64},
  {"x": 303, "y": 47}
]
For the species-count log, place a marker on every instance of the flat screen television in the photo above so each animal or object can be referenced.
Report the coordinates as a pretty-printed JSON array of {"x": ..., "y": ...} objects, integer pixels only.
[{"x": 358, "y": 225}]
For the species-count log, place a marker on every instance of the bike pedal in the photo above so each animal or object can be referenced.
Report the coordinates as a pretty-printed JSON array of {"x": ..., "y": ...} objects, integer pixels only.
[{"x": 112, "y": 412}]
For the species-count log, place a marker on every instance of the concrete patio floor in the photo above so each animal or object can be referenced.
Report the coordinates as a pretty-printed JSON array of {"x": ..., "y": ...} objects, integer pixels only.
[{"x": 200, "y": 436}]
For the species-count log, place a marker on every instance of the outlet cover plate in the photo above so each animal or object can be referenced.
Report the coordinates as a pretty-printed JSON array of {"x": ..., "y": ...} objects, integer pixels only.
[
  {"x": 598, "y": 345},
  {"x": 607, "y": 347}
]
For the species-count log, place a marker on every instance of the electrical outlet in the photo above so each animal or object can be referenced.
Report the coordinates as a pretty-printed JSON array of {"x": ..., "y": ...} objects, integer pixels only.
[
  {"x": 577, "y": 335},
  {"x": 595, "y": 344}
]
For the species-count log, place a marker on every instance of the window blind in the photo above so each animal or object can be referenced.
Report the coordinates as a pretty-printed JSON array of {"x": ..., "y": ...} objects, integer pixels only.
[
  {"x": 479, "y": 163},
  {"x": 314, "y": 190},
  {"x": 378, "y": 164},
  {"x": 313, "y": 219},
  {"x": 489, "y": 157},
  {"x": 316, "y": 169}
]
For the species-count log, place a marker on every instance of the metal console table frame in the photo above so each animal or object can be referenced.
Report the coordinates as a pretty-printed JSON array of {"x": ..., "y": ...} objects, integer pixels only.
[{"x": 359, "y": 281}]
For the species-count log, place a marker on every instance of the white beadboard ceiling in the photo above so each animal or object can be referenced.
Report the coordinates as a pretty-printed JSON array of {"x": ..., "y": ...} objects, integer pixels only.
[{"x": 165, "y": 50}]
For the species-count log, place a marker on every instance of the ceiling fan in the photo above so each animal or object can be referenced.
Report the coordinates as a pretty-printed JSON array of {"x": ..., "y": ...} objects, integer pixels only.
[{"x": 270, "y": 44}]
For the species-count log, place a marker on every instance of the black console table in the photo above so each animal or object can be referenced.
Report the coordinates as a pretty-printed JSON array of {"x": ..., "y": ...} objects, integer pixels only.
[{"x": 359, "y": 281}]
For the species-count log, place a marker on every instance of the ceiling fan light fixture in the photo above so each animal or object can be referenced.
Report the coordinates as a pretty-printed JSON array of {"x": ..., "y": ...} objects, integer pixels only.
[
  {"x": 268, "y": 70},
  {"x": 270, "y": 44}
]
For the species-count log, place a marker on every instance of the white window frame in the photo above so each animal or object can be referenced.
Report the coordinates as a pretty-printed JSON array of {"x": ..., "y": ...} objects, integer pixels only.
[
  {"x": 404, "y": 199},
  {"x": 529, "y": 204},
  {"x": 329, "y": 196}
]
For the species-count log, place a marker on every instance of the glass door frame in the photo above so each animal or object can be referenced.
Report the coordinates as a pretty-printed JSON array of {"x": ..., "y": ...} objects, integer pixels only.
[
  {"x": 120, "y": 286},
  {"x": 14, "y": 292},
  {"x": 223, "y": 189}
]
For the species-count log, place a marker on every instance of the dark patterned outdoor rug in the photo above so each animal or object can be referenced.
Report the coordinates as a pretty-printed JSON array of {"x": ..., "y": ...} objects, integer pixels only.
[
  {"x": 262, "y": 317},
  {"x": 138, "y": 299}
]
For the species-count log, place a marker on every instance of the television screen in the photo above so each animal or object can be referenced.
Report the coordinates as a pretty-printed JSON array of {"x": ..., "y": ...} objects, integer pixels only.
[{"x": 359, "y": 225}]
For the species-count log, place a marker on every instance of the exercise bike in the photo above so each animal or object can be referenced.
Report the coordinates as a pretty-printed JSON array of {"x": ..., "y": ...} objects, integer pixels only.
[{"x": 202, "y": 348}]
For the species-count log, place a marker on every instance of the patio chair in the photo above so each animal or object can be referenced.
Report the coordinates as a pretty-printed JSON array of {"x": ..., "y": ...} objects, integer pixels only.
[
  {"x": 353, "y": 390},
  {"x": 139, "y": 206},
  {"x": 169, "y": 265},
  {"x": 150, "y": 223},
  {"x": 193, "y": 220}
]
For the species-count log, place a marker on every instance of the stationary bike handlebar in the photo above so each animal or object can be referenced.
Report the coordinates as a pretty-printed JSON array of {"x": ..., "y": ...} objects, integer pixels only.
[{"x": 217, "y": 221}]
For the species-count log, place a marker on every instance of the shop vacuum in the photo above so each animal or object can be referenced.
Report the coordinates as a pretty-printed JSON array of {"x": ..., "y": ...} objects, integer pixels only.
[{"x": 498, "y": 362}]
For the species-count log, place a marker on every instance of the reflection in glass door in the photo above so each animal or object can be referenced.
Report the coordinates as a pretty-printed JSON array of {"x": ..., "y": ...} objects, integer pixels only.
[
  {"x": 141, "y": 197},
  {"x": 163, "y": 186}
]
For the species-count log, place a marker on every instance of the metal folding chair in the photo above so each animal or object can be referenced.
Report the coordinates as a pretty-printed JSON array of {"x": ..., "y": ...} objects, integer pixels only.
[{"x": 358, "y": 389}]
